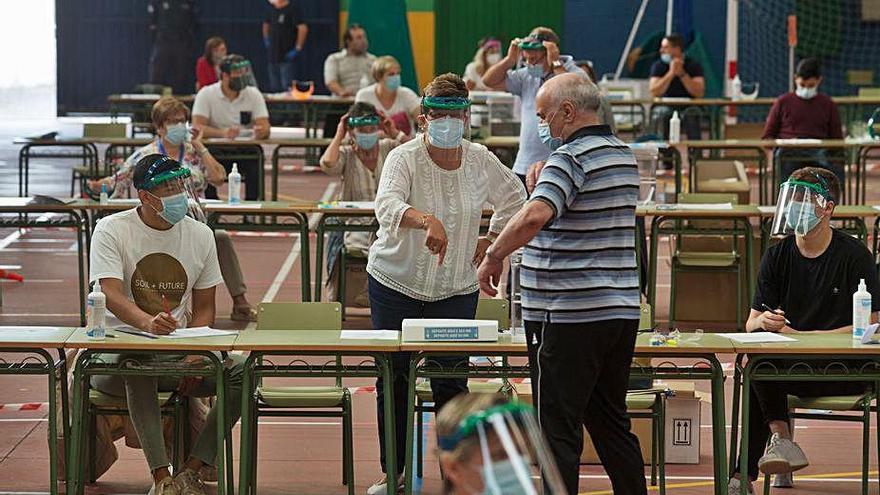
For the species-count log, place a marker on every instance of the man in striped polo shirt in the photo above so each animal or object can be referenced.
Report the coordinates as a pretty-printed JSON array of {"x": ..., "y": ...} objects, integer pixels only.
[{"x": 580, "y": 287}]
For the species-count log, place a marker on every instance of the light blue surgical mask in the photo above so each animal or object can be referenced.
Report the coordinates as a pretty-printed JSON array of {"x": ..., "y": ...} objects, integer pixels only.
[
  {"x": 392, "y": 83},
  {"x": 499, "y": 478},
  {"x": 446, "y": 132},
  {"x": 802, "y": 217},
  {"x": 666, "y": 58},
  {"x": 546, "y": 137},
  {"x": 806, "y": 93},
  {"x": 176, "y": 134},
  {"x": 536, "y": 70},
  {"x": 174, "y": 208},
  {"x": 366, "y": 140}
]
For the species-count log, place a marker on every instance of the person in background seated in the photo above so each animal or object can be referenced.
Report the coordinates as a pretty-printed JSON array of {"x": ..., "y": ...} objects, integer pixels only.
[
  {"x": 423, "y": 264},
  {"x": 176, "y": 142},
  {"x": 231, "y": 108},
  {"x": 805, "y": 113},
  {"x": 398, "y": 102},
  {"x": 471, "y": 426},
  {"x": 284, "y": 35},
  {"x": 357, "y": 154},
  {"x": 158, "y": 269},
  {"x": 808, "y": 278},
  {"x": 542, "y": 61},
  {"x": 676, "y": 76},
  {"x": 606, "y": 112},
  {"x": 488, "y": 54},
  {"x": 208, "y": 65}
]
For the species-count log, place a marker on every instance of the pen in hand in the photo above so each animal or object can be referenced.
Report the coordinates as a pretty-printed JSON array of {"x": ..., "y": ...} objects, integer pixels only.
[
  {"x": 776, "y": 311},
  {"x": 165, "y": 305}
]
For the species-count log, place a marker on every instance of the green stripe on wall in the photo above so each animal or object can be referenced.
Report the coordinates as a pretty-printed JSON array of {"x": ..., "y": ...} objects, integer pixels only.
[{"x": 411, "y": 5}]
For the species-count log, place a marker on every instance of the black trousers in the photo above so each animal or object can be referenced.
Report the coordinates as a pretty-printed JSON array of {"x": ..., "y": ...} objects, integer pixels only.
[
  {"x": 768, "y": 401},
  {"x": 171, "y": 64},
  {"x": 582, "y": 373},
  {"x": 388, "y": 308}
]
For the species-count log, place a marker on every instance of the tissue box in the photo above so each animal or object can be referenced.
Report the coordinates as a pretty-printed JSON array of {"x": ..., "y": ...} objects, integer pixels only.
[{"x": 447, "y": 330}]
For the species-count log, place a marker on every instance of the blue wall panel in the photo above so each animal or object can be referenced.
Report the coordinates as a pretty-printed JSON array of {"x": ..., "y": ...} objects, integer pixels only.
[
  {"x": 597, "y": 29},
  {"x": 104, "y": 45}
]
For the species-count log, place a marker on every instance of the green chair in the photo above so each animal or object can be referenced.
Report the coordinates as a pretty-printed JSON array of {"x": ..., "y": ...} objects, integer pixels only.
[
  {"x": 487, "y": 309},
  {"x": 304, "y": 401},
  {"x": 844, "y": 403},
  {"x": 102, "y": 404},
  {"x": 85, "y": 172},
  {"x": 726, "y": 260}
]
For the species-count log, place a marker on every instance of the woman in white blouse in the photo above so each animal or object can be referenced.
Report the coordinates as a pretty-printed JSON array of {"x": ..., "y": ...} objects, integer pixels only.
[{"x": 429, "y": 205}]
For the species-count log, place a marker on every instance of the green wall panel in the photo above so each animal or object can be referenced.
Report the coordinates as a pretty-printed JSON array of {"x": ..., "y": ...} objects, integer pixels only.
[{"x": 461, "y": 23}]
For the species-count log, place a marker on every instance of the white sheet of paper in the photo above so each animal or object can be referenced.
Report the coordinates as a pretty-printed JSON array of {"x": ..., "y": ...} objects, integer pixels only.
[
  {"x": 704, "y": 206},
  {"x": 877, "y": 207},
  {"x": 227, "y": 205},
  {"x": 360, "y": 205},
  {"x": 124, "y": 201},
  {"x": 370, "y": 335},
  {"x": 756, "y": 337},
  {"x": 798, "y": 141},
  {"x": 188, "y": 333},
  {"x": 767, "y": 209}
]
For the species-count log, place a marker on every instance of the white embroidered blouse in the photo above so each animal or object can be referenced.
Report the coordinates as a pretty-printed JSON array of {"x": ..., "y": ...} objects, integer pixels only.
[{"x": 410, "y": 179}]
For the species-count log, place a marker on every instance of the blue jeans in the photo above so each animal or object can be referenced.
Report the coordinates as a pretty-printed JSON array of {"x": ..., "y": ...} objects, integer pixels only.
[
  {"x": 388, "y": 308},
  {"x": 281, "y": 75}
]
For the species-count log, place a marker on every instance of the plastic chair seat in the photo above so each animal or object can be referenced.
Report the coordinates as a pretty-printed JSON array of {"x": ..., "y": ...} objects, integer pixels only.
[
  {"x": 831, "y": 403},
  {"x": 706, "y": 259},
  {"x": 424, "y": 394},
  {"x": 107, "y": 401},
  {"x": 301, "y": 396},
  {"x": 640, "y": 401}
]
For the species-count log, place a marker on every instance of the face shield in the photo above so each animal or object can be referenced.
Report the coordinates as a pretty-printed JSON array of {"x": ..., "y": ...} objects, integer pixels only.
[
  {"x": 365, "y": 137},
  {"x": 506, "y": 453},
  {"x": 534, "y": 53},
  {"x": 447, "y": 123},
  {"x": 241, "y": 74},
  {"x": 175, "y": 189},
  {"x": 800, "y": 208}
]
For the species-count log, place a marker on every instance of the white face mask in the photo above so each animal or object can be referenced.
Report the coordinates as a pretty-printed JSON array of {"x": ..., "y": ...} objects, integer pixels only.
[
  {"x": 493, "y": 58},
  {"x": 806, "y": 93}
]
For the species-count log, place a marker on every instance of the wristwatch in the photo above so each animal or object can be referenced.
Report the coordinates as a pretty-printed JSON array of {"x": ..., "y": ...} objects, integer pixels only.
[{"x": 557, "y": 65}]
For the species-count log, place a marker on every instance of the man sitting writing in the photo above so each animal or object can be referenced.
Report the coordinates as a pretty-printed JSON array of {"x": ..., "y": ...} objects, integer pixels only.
[{"x": 159, "y": 270}]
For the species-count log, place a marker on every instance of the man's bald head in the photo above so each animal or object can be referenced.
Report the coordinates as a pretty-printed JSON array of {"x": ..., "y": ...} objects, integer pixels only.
[{"x": 574, "y": 87}]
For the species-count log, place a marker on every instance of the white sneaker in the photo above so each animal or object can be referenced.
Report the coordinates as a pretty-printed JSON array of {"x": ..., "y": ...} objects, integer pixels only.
[
  {"x": 381, "y": 487},
  {"x": 783, "y": 480},
  {"x": 734, "y": 487},
  {"x": 782, "y": 456},
  {"x": 164, "y": 487},
  {"x": 189, "y": 483}
]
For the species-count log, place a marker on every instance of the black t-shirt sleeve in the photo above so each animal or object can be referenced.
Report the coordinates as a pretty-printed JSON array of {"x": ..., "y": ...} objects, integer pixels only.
[
  {"x": 269, "y": 14},
  {"x": 659, "y": 69},
  {"x": 297, "y": 15},
  {"x": 693, "y": 68},
  {"x": 767, "y": 286}
]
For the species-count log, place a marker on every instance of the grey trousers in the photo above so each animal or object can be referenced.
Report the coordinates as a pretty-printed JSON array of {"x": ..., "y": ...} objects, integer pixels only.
[
  {"x": 229, "y": 266},
  {"x": 145, "y": 411}
]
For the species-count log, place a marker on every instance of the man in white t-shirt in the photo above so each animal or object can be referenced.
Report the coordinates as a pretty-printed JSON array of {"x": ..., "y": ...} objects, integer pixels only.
[
  {"x": 233, "y": 108},
  {"x": 158, "y": 268}
]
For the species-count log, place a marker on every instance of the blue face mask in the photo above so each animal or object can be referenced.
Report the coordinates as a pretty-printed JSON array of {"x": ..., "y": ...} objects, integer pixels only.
[
  {"x": 535, "y": 70},
  {"x": 546, "y": 137},
  {"x": 174, "y": 208},
  {"x": 392, "y": 83},
  {"x": 446, "y": 132},
  {"x": 176, "y": 134},
  {"x": 366, "y": 140},
  {"x": 802, "y": 217},
  {"x": 500, "y": 478},
  {"x": 666, "y": 58}
]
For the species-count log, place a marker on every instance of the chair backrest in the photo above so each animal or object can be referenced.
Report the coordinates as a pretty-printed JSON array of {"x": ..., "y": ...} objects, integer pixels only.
[
  {"x": 107, "y": 130},
  {"x": 494, "y": 309},
  {"x": 299, "y": 316},
  {"x": 869, "y": 92}
]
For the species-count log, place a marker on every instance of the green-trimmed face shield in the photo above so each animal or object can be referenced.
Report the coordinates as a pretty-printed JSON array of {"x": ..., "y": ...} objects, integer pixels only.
[
  {"x": 163, "y": 172},
  {"x": 363, "y": 121},
  {"x": 448, "y": 119},
  {"x": 532, "y": 42},
  {"x": 504, "y": 451},
  {"x": 801, "y": 206}
]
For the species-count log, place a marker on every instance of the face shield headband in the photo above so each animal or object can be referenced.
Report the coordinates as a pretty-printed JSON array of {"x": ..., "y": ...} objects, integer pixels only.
[{"x": 796, "y": 210}]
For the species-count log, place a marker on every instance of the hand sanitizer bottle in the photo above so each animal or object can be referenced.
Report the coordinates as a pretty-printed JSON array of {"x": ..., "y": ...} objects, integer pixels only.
[
  {"x": 675, "y": 128},
  {"x": 104, "y": 198},
  {"x": 97, "y": 305},
  {"x": 861, "y": 311},
  {"x": 234, "y": 181}
]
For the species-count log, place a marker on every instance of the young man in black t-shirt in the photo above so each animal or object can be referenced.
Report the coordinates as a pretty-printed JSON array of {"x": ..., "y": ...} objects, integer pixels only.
[
  {"x": 676, "y": 76},
  {"x": 809, "y": 279},
  {"x": 284, "y": 34}
]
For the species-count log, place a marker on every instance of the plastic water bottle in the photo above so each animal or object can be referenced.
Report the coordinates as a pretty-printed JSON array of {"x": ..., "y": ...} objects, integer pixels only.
[
  {"x": 234, "y": 181},
  {"x": 675, "y": 128},
  {"x": 736, "y": 88},
  {"x": 861, "y": 310},
  {"x": 97, "y": 306},
  {"x": 104, "y": 199}
]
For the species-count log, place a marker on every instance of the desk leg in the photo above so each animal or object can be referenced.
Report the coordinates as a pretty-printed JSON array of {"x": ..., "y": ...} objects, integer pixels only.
[
  {"x": 319, "y": 259},
  {"x": 383, "y": 362},
  {"x": 719, "y": 431},
  {"x": 276, "y": 158},
  {"x": 53, "y": 429},
  {"x": 246, "y": 483},
  {"x": 410, "y": 414},
  {"x": 305, "y": 261},
  {"x": 744, "y": 440},
  {"x": 75, "y": 461},
  {"x": 80, "y": 254}
]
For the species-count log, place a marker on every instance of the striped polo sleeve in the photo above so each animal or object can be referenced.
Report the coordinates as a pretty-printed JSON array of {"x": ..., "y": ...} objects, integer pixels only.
[{"x": 558, "y": 185}]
